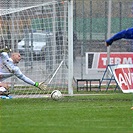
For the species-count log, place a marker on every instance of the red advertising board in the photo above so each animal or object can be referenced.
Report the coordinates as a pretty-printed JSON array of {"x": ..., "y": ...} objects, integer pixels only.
[
  {"x": 115, "y": 58},
  {"x": 124, "y": 77},
  {"x": 96, "y": 60}
]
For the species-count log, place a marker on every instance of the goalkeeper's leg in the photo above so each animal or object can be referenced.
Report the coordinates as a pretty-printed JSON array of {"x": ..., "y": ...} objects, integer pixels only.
[{"x": 4, "y": 91}]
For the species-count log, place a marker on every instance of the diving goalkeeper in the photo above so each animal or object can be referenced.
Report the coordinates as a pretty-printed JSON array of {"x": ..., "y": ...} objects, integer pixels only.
[
  {"x": 124, "y": 34},
  {"x": 8, "y": 68}
]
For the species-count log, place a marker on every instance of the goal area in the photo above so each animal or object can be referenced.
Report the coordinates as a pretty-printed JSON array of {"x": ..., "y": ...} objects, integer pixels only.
[{"x": 40, "y": 32}]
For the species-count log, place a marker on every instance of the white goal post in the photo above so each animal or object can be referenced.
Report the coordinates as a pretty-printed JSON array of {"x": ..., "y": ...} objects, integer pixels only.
[{"x": 43, "y": 34}]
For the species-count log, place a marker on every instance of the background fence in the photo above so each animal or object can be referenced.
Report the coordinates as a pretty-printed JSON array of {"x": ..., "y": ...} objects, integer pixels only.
[{"x": 91, "y": 29}]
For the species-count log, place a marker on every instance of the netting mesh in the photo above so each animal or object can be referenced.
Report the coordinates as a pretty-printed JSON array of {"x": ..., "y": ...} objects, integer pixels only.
[{"x": 38, "y": 31}]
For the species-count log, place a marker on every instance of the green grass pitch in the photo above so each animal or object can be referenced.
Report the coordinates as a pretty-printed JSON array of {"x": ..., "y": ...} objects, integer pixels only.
[{"x": 108, "y": 113}]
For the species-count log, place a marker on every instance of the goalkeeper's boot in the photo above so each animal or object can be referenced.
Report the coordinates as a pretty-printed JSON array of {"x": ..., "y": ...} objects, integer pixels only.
[
  {"x": 5, "y": 93},
  {"x": 6, "y": 97},
  {"x": 6, "y": 49}
]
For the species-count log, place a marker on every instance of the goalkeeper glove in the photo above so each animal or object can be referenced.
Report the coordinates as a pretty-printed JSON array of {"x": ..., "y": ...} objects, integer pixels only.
[
  {"x": 6, "y": 49},
  {"x": 40, "y": 85}
]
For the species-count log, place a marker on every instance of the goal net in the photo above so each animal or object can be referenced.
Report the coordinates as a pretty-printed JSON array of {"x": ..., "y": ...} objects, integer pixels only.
[{"x": 39, "y": 33}]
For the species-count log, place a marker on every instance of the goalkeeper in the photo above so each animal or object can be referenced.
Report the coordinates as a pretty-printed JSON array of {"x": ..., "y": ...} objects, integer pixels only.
[
  {"x": 8, "y": 68},
  {"x": 124, "y": 34}
]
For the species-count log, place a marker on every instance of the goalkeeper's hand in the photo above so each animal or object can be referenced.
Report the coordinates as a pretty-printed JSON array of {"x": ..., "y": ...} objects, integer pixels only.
[
  {"x": 40, "y": 85},
  {"x": 6, "y": 49}
]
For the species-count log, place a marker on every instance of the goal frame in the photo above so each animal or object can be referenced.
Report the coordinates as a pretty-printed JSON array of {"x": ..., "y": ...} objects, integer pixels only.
[{"x": 69, "y": 39}]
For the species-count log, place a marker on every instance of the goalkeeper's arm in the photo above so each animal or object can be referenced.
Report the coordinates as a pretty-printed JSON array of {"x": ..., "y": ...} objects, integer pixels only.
[
  {"x": 21, "y": 76},
  {"x": 31, "y": 82}
]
